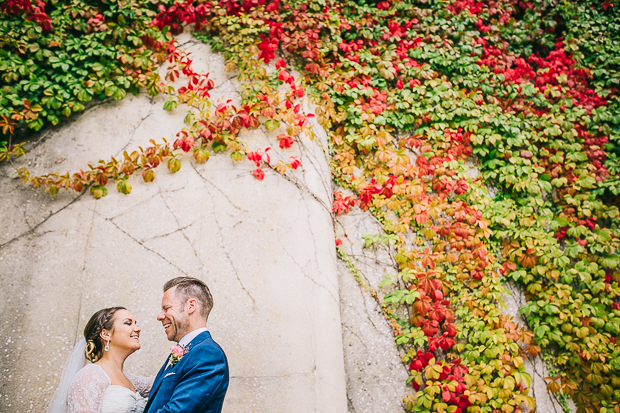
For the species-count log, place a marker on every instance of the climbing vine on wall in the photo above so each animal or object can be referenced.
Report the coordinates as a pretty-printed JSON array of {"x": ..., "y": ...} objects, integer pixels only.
[
  {"x": 417, "y": 97},
  {"x": 56, "y": 56}
]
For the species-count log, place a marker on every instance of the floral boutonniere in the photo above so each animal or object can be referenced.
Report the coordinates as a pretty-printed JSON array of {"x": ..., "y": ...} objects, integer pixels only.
[{"x": 176, "y": 353}]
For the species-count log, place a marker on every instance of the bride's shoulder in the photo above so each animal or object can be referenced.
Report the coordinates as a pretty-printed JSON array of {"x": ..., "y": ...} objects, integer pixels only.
[
  {"x": 91, "y": 374},
  {"x": 87, "y": 388},
  {"x": 92, "y": 369}
]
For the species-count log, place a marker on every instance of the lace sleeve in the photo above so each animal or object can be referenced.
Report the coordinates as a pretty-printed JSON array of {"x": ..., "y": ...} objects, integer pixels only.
[
  {"x": 86, "y": 390},
  {"x": 141, "y": 384}
]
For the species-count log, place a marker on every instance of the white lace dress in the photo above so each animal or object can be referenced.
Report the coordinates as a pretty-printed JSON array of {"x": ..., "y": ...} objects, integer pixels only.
[{"x": 93, "y": 392}]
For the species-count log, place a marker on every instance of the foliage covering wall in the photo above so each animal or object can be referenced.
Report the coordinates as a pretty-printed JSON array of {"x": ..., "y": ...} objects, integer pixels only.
[{"x": 411, "y": 93}]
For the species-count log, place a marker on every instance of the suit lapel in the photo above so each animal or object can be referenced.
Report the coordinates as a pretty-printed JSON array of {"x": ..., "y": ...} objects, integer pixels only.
[
  {"x": 160, "y": 376},
  {"x": 158, "y": 379},
  {"x": 197, "y": 340}
]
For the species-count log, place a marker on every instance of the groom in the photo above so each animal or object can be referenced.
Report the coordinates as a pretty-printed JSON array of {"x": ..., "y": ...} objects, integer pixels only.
[{"x": 194, "y": 378}]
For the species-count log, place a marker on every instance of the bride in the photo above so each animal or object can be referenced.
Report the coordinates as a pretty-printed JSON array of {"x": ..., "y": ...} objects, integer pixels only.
[{"x": 111, "y": 335}]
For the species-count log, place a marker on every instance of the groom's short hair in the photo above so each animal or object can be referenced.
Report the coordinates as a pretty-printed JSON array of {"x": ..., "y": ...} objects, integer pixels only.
[{"x": 189, "y": 287}]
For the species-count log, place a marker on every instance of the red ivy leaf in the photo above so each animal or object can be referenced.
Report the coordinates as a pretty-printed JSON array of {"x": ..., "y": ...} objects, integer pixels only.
[
  {"x": 259, "y": 174},
  {"x": 285, "y": 141},
  {"x": 295, "y": 164}
]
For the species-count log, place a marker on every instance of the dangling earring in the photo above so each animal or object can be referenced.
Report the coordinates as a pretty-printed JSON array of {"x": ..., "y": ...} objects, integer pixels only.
[{"x": 107, "y": 345}]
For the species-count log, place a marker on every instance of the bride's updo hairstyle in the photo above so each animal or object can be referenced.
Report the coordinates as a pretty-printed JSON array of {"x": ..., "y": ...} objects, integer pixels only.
[{"x": 101, "y": 320}]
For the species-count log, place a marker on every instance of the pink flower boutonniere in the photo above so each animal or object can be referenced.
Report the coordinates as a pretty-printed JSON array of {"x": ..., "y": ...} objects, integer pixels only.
[{"x": 176, "y": 353}]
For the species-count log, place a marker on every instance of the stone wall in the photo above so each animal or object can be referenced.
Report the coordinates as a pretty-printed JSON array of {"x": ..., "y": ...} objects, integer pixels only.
[{"x": 376, "y": 376}]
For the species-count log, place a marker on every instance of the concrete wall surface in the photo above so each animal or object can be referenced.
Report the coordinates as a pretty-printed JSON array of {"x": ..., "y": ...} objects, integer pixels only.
[
  {"x": 265, "y": 248},
  {"x": 376, "y": 376}
]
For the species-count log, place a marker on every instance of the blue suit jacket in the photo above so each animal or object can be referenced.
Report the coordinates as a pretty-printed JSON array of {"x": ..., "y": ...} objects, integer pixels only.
[{"x": 196, "y": 384}]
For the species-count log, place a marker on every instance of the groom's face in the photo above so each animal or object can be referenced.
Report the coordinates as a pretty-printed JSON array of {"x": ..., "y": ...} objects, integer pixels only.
[{"x": 173, "y": 316}]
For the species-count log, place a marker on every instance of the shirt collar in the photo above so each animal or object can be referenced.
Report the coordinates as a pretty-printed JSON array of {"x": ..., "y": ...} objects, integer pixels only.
[{"x": 190, "y": 336}]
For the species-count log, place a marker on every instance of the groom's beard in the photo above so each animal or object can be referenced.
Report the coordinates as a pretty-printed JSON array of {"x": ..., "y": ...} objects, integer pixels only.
[{"x": 181, "y": 329}]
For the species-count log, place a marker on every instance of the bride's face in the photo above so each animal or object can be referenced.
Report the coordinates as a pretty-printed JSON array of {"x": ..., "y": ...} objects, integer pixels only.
[{"x": 126, "y": 333}]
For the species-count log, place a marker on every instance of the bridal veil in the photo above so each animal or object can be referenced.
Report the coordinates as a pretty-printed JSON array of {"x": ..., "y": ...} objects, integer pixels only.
[{"x": 74, "y": 363}]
